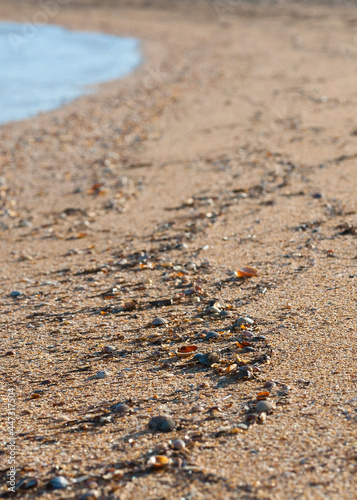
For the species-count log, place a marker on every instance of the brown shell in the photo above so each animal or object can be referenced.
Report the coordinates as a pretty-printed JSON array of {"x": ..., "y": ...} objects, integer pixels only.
[{"x": 247, "y": 272}]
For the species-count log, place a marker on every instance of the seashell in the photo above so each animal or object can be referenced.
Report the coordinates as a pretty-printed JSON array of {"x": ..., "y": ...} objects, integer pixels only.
[
  {"x": 247, "y": 272},
  {"x": 246, "y": 334},
  {"x": 158, "y": 322},
  {"x": 178, "y": 444},
  {"x": 212, "y": 310},
  {"x": 158, "y": 461},
  {"x": 264, "y": 407},
  {"x": 212, "y": 335},
  {"x": 261, "y": 418},
  {"x": 58, "y": 483},
  {"x": 120, "y": 408},
  {"x": 261, "y": 396},
  {"x": 186, "y": 350},
  {"x": 27, "y": 483},
  {"x": 100, "y": 374},
  {"x": 162, "y": 424},
  {"x": 243, "y": 320}
]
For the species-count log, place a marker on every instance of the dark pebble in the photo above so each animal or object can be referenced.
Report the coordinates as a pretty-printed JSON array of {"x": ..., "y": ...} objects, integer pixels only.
[
  {"x": 15, "y": 294},
  {"x": 162, "y": 424}
]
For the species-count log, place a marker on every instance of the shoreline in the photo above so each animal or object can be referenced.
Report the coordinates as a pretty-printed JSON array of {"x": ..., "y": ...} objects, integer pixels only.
[{"x": 233, "y": 145}]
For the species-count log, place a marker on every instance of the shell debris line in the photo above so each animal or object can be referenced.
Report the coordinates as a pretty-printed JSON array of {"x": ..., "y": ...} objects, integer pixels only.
[{"x": 179, "y": 262}]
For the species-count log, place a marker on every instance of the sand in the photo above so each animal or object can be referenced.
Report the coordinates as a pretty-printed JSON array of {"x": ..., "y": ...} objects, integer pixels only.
[{"x": 234, "y": 145}]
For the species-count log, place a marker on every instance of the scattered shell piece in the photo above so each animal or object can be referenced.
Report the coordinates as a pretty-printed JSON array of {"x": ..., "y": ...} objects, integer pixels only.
[
  {"x": 159, "y": 322},
  {"x": 212, "y": 335},
  {"x": 186, "y": 350},
  {"x": 158, "y": 461},
  {"x": 27, "y": 483},
  {"x": 247, "y": 272},
  {"x": 264, "y": 407},
  {"x": 100, "y": 374},
  {"x": 242, "y": 321},
  {"x": 162, "y": 424},
  {"x": 58, "y": 483},
  {"x": 212, "y": 310}
]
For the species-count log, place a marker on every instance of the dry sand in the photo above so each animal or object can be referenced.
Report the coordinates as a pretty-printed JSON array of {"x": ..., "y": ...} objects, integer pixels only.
[{"x": 234, "y": 145}]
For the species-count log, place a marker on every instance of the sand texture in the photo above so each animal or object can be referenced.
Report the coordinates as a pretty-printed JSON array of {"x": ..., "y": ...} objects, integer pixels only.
[{"x": 124, "y": 218}]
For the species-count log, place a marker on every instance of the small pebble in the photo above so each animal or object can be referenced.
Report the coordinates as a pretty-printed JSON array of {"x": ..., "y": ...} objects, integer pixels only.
[
  {"x": 269, "y": 385},
  {"x": 178, "y": 444},
  {"x": 15, "y": 294},
  {"x": 226, "y": 314},
  {"x": 108, "y": 349},
  {"x": 162, "y": 424},
  {"x": 90, "y": 495},
  {"x": 58, "y": 483},
  {"x": 264, "y": 407},
  {"x": 120, "y": 408}
]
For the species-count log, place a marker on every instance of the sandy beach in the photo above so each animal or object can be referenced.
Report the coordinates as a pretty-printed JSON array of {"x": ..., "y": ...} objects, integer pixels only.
[{"x": 127, "y": 218}]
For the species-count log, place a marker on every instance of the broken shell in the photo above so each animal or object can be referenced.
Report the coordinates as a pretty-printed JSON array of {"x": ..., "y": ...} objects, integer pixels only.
[
  {"x": 159, "y": 322},
  {"x": 162, "y": 424},
  {"x": 186, "y": 350},
  {"x": 158, "y": 461},
  {"x": 264, "y": 407},
  {"x": 247, "y": 272},
  {"x": 261, "y": 418}
]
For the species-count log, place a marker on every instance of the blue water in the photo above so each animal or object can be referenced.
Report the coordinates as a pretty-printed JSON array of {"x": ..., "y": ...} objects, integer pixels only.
[{"x": 42, "y": 68}]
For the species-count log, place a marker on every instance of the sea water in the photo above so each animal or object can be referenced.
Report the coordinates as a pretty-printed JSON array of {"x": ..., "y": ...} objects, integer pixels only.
[{"x": 44, "y": 67}]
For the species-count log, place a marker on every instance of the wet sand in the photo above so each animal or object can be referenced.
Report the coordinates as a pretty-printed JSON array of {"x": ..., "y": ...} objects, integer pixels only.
[{"x": 234, "y": 145}]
